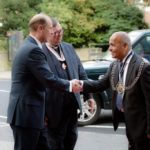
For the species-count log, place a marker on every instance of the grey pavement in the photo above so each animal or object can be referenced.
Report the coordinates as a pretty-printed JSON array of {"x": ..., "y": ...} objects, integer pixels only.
[
  {"x": 5, "y": 74},
  {"x": 88, "y": 141},
  {"x": 6, "y": 137},
  {"x": 6, "y": 145},
  {"x": 101, "y": 141}
]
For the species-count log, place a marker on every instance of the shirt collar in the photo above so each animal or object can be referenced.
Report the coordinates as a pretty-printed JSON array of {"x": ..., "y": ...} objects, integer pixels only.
[
  {"x": 130, "y": 51},
  {"x": 38, "y": 42}
]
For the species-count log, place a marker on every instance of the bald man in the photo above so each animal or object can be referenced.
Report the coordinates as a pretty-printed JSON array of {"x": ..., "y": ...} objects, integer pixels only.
[
  {"x": 31, "y": 75},
  {"x": 129, "y": 78}
]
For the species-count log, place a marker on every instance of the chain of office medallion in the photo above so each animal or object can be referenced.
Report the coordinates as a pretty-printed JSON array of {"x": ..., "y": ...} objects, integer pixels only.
[{"x": 133, "y": 83}]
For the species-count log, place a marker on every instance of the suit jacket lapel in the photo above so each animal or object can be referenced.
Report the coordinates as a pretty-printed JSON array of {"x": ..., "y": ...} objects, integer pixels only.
[
  {"x": 130, "y": 70},
  {"x": 69, "y": 60},
  {"x": 116, "y": 77}
]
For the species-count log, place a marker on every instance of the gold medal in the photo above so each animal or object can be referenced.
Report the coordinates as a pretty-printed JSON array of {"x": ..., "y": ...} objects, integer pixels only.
[
  {"x": 64, "y": 66},
  {"x": 120, "y": 87}
]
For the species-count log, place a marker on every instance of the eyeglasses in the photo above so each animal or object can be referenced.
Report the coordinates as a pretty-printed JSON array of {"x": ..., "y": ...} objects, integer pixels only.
[{"x": 57, "y": 33}]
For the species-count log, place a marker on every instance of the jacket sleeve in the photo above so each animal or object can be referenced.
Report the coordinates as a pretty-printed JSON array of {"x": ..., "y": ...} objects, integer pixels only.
[
  {"x": 145, "y": 86},
  {"x": 37, "y": 64},
  {"x": 95, "y": 86}
]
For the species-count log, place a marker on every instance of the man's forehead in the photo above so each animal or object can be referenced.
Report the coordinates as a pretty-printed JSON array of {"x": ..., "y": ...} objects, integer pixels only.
[
  {"x": 116, "y": 38},
  {"x": 111, "y": 39},
  {"x": 49, "y": 25},
  {"x": 57, "y": 28}
]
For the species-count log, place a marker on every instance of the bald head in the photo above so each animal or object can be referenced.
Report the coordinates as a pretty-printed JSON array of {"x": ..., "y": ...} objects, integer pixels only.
[
  {"x": 39, "y": 19},
  {"x": 119, "y": 44},
  {"x": 123, "y": 37}
]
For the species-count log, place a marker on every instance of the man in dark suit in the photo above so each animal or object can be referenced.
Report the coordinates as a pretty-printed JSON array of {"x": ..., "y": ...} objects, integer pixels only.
[
  {"x": 31, "y": 76},
  {"x": 129, "y": 78},
  {"x": 61, "y": 108}
]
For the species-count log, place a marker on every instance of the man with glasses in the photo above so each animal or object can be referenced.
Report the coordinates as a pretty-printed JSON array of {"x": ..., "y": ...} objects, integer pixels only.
[{"x": 61, "y": 108}]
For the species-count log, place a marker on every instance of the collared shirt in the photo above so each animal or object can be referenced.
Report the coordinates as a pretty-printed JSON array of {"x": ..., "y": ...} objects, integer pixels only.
[
  {"x": 38, "y": 42},
  {"x": 126, "y": 66}
]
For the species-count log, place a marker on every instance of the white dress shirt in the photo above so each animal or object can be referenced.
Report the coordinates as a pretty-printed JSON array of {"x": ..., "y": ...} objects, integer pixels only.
[{"x": 126, "y": 66}]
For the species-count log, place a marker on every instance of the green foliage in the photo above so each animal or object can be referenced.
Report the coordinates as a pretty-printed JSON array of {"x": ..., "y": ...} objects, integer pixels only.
[
  {"x": 84, "y": 21},
  {"x": 16, "y": 13}
]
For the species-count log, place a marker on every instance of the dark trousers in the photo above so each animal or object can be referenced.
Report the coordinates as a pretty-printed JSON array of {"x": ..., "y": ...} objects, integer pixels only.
[
  {"x": 64, "y": 137},
  {"x": 143, "y": 144},
  {"x": 30, "y": 139}
]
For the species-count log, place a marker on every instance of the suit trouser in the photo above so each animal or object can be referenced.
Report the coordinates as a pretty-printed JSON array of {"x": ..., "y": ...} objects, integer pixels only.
[
  {"x": 120, "y": 118},
  {"x": 64, "y": 137},
  {"x": 143, "y": 144},
  {"x": 30, "y": 139}
]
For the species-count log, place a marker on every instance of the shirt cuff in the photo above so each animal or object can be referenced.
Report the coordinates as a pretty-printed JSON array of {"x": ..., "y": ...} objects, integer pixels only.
[
  {"x": 70, "y": 86},
  {"x": 81, "y": 82}
]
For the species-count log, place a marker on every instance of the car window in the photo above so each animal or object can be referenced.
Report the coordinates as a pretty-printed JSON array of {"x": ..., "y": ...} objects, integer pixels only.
[
  {"x": 143, "y": 47},
  {"x": 139, "y": 49}
]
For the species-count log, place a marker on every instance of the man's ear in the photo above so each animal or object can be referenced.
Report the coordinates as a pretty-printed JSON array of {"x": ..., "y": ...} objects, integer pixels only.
[
  {"x": 41, "y": 27},
  {"x": 124, "y": 44}
]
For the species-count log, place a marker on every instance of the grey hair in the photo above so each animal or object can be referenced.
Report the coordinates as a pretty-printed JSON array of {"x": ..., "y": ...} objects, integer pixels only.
[
  {"x": 54, "y": 22},
  {"x": 124, "y": 38}
]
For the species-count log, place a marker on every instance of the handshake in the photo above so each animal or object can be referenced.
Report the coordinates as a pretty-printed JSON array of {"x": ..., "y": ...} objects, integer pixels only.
[{"x": 77, "y": 85}]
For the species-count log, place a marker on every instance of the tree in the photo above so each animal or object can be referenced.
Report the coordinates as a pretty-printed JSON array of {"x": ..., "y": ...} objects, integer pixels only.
[
  {"x": 16, "y": 13},
  {"x": 87, "y": 21},
  {"x": 84, "y": 21}
]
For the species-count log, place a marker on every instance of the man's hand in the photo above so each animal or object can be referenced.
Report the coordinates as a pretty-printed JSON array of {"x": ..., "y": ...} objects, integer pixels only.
[
  {"x": 76, "y": 86},
  {"x": 91, "y": 104}
]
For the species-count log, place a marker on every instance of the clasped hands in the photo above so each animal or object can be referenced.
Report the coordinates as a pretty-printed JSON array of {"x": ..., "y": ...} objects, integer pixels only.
[{"x": 77, "y": 85}]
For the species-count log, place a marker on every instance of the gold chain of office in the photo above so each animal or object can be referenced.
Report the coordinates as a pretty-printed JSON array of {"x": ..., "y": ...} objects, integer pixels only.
[{"x": 115, "y": 88}]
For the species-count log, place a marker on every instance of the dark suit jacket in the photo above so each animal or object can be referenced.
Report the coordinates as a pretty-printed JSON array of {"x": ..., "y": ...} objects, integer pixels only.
[
  {"x": 136, "y": 101},
  {"x": 55, "y": 99},
  {"x": 31, "y": 76}
]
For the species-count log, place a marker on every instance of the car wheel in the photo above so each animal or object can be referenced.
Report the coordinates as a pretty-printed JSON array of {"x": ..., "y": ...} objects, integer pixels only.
[{"x": 89, "y": 117}]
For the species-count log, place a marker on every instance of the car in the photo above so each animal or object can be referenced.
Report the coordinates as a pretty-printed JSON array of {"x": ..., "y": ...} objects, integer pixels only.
[{"x": 140, "y": 40}]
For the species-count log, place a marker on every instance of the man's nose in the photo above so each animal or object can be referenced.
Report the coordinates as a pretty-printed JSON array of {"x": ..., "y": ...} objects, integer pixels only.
[{"x": 109, "y": 48}]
